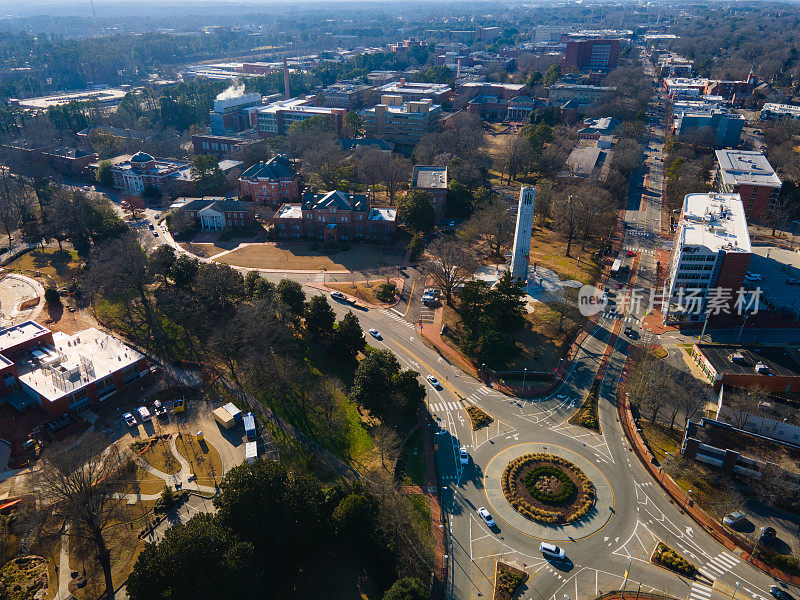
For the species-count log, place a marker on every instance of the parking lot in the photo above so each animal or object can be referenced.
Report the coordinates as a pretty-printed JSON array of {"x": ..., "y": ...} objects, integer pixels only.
[{"x": 777, "y": 265}]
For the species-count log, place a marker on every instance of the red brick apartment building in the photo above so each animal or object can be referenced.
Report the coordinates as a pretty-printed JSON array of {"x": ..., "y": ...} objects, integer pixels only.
[
  {"x": 749, "y": 174},
  {"x": 63, "y": 373},
  {"x": 271, "y": 183}
]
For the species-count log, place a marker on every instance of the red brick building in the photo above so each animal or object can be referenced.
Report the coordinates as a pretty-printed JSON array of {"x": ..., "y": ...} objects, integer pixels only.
[
  {"x": 271, "y": 183},
  {"x": 434, "y": 181},
  {"x": 63, "y": 373},
  {"x": 594, "y": 54},
  {"x": 216, "y": 213},
  {"x": 750, "y": 175}
]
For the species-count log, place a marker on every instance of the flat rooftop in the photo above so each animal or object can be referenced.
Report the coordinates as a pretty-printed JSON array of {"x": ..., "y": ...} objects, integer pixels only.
[
  {"x": 714, "y": 221},
  {"x": 295, "y": 105},
  {"x": 430, "y": 177},
  {"x": 289, "y": 211},
  {"x": 686, "y": 82},
  {"x": 19, "y": 334},
  {"x": 786, "y": 109},
  {"x": 747, "y": 167},
  {"x": 782, "y": 362},
  {"x": 73, "y": 362},
  {"x": 421, "y": 89}
]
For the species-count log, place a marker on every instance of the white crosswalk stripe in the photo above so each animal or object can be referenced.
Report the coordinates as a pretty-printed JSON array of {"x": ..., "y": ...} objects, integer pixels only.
[
  {"x": 396, "y": 317},
  {"x": 700, "y": 591},
  {"x": 484, "y": 390}
]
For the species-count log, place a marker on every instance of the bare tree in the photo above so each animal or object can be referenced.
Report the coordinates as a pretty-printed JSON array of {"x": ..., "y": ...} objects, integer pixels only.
[
  {"x": 649, "y": 386},
  {"x": 495, "y": 223},
  {"x": 395, "y": 171},
  {"x": 450, "y": 264},
  {"x": 81, "y": 482},
  {"x": 387, "y": 442},
  {"x": 370, "y": 166},
  {"x": 566, "y": 218}
]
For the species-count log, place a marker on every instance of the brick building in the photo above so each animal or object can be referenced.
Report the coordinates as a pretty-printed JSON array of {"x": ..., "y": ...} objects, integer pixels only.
[
  {"x": 749, "y": 174},
  {"x": 434, "y": 181},
  {"x": 61, "y": 159},
  {"x": 225, "y": 146},
  {"x": 63, "y": 373},
  {"x": 273, "y": 182},
  {"x": 593, "y": 54},
  {"x": 403, "y": 124},
  {"x": 214, "y": 213},
  {"x": 334, "y": 216}
]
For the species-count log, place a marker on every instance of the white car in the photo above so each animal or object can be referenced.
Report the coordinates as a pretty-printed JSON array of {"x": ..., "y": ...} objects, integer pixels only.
[
  {"x": 734, "y": 518},
  {"x": 486, "y": 516},
  {"x": 339, "y": 296},
  {"x": 375, "y": 333},
  {"x": 144, "y": 414},
  {"x": 130, "y": 420},
  {"x": 463, "y": 456},
  {"x": 434, "y": 382},
  {"x": 552, "y": 551}
]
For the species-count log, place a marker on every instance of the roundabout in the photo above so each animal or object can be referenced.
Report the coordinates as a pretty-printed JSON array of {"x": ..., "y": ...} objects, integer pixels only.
[{"x": 571, "y": 498}]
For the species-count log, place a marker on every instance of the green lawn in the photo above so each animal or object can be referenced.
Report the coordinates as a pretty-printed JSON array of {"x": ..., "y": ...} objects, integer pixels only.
[{"x": 411, "y": 467}]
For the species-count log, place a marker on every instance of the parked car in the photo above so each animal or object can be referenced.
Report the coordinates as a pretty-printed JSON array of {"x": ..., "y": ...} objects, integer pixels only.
[
  {"x": 631, "y": 253},
  {"x": 793, "y": 281},
  {"x": 753, "y": 277},
  {"x": 159, "y": 408},
  {"x": 434, "y": 382},
  {"x": 144, "y": 414},
  {"x": 376, "y": 334},
  {"x": 463, "y": 455},
  {"x": 768, "y": 534},
  {"x": 734, "y": 518},
  {"x": 130, "y": 420},
  {"x": 486, "y": 516},
  {"x": 780, "y": 593},
  {"x": 552, "y": 551}
]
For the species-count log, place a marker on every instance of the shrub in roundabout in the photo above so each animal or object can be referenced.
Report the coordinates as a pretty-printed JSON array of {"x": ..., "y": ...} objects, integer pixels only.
[{"x": 552, "y": 481}]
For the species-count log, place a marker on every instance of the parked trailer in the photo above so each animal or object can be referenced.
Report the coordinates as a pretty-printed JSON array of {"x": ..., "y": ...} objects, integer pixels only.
[
  {"x": 251, "y": 451},
  {"x": 250, "y": 426},
  {"x": 223, "y": 417}
]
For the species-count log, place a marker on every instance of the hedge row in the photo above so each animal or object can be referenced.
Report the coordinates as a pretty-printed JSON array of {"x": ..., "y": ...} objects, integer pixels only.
[
  {"x": 508, "y": 581},
  {"x": 509, "y": 486},
  {"x": 673, "y": 561}
]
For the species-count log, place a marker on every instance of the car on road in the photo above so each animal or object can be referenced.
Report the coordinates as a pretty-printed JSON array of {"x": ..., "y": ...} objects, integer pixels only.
[
  {"x": 130, "y": 420},
  {"x": 792, "y": 281},
  {"x": 780, "y": 593},
  {"x": 376, "y": 334},
  {"x": 734, "y": 518},
  {"x": 434, "y": 382},
  {"x": 144, "y": 414},
  {"x": 486, "y": 516},
  {"x": 552, "y": 551},
  {"x": 339, "y": 296},
  {"x": 768, "y": 534},
  {"x": 463, "y": 455},
  {"x": 631, "y": 253},
  {"x": 753, "y": 277},
  {"x": 631, "y": 333}
]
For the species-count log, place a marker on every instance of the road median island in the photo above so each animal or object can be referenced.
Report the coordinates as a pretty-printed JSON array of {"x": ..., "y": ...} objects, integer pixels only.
[
  {"x": 547, "y": 489},
  {"x": 587, "y": 415},
  {"x": 478, "y": 418},
  {"x": 666, "y": 557},
  {"x": 507, "y": 581}
]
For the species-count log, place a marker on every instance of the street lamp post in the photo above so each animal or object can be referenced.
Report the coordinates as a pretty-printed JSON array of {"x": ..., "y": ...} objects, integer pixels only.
[
  {"x": 688, "y": 497},
  {"x": 666, "y": 462},
  {"x": 735, "y": 590},
  {"x": 524, "y": 377}
]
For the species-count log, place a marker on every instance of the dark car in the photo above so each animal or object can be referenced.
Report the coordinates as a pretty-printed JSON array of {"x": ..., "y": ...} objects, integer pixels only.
[
  {"x": 779, "y": 593},
  {"x": 631, "y": 333},
  {"x": 768, "y": 534}
]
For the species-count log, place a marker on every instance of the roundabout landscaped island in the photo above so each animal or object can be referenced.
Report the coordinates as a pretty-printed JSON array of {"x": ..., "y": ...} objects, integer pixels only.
[{"x": 547, "y": 489}]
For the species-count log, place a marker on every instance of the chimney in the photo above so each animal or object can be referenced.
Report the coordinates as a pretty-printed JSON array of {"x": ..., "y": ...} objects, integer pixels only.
[{"x": 287, "y": 94}]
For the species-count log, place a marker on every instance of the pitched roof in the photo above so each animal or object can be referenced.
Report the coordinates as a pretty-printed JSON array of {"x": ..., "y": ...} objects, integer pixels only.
[
  {"x": 278, "y": 167},
  {"x": 336, "y": 199},
  {"x": 218, "y": 203}
]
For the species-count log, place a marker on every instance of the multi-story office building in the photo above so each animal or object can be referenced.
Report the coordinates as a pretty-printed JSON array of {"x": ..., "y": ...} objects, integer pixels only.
[
  {"x": 715, "y": 127},
  {"x": 579, "y": 93},
  {"x": 278, "y": 117},
  {"x": 592, "y": 54},
  {"x": 749, "y": 174},
  {"x": 710, "y": 259},
  {"x": 349, "y": 95},
  {"x": 402, "y": 123},
  {"x": 772, "y": 110},
  {"x": 408, "y": 91},
  {"x": 232, "y": 115},
  {"x": 225, "y": 146}
]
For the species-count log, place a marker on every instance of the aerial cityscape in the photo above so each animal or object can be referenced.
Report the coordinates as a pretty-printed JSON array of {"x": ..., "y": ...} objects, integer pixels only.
[{"x": 400, "y": 300}]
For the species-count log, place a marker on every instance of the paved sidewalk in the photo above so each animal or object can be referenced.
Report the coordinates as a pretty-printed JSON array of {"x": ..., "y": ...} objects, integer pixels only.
[{"x": 358, "y": 302}]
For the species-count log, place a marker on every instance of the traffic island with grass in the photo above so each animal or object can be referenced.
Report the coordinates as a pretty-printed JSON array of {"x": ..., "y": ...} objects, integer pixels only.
[
  {"x": 507, "y": 581},
  {"x": 666, "y": 557},
  {"x": 586, "y": 415},
  {"x": 478, "y": 418},
  {"x": 547, "y": 489}
]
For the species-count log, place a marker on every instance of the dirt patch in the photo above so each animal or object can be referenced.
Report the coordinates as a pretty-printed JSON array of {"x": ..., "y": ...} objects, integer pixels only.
[
  {"x": 203, "y": 458},
  {"x": 299, "y": 256},
  {"x": 203, "y": 250},
  {"x": 61, "y": 318}
]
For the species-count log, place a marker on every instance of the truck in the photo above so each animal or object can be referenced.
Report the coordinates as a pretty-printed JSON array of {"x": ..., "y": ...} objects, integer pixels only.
[
  {"x": 251, "y": 452},
  {"x": 223, "y": 417},
  {"x": 250, "y": 426}
]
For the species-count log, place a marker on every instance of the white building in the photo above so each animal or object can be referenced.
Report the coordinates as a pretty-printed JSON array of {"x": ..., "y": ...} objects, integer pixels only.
[
  {"x": 522, "y": 233},
  {"x": 772, "y": 110},
  {"x": 712, "y": 251}
]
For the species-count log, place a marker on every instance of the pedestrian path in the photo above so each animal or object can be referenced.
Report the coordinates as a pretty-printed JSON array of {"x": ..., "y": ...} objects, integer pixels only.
[
  {"x": 699, "y": 591},
  {"x": 647, "y": 251},
  {"x": 426, "y": 315},
  {"x": 719, "y": 565},
  {"x": 395, "y": 317},
  {"x": 439, "y": 406}
]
